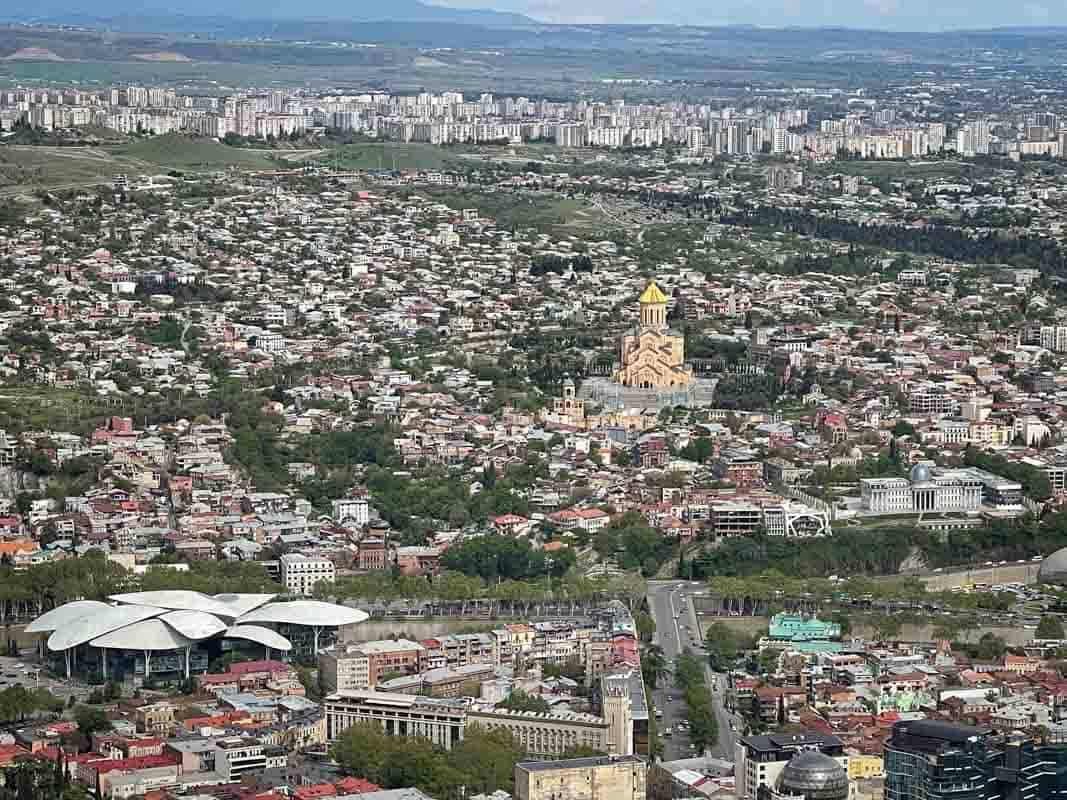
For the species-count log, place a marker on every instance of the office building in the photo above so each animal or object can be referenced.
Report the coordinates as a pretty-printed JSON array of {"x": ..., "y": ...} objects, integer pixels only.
[
  {"x": 236, "y": 756},
  {"x": 440, "y": 721},
  {"x": 443, "y": 721},
  {"x": 362, "y": 666},
  {"x": 759, "y": 761},
  {"x": 932, "y": 760}
]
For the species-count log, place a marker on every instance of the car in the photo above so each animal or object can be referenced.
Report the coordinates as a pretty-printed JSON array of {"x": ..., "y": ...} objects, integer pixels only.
[
  {"x": 667, "y": 734},
  {"x": 659, "y": 714}
]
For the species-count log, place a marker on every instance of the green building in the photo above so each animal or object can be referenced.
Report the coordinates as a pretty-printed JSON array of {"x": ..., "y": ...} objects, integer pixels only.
[{"x": 795, "y": 628}]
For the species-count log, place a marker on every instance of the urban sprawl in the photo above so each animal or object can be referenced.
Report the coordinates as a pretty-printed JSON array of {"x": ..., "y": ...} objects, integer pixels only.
[{"x": 630, "y": 451}]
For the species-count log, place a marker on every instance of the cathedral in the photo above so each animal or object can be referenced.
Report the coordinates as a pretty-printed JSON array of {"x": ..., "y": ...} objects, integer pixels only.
[{"x": 652, "y": 356}]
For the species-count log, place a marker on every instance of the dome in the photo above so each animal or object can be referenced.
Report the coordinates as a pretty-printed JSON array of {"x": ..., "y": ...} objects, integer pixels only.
[
  {"x": 814, "y": 776},
  {"x": 652, "y": 295},
  {"x": 920, "y": 473},
  {"x": 1054, "y": 568}
]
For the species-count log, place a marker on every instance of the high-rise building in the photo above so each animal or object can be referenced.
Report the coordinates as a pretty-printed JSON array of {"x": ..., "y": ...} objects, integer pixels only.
[{"x": 932, "y": 760}]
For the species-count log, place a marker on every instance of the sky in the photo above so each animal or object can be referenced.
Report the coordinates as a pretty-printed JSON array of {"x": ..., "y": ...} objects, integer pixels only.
[{"x": 900, "y": 15}]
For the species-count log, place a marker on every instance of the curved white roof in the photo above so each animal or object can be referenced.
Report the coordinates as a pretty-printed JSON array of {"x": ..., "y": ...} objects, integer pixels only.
[
  {"x": 176, "y": 599},
  {"x": 61, "y": 616},
  {"x": 148, "y": 634},
  {"x": 194, "y": 624},
  {"x": 260, "y": 635},
  {"x": 243, "y": 603},
  {"x": 305, "y": 612},
  {"x": 86, "y": 628}
]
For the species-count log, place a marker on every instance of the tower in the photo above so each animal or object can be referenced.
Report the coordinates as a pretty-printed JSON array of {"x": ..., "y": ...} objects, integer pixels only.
[
  {"x": 617, "y": 712},
  {"x": 653, "y": 307}
]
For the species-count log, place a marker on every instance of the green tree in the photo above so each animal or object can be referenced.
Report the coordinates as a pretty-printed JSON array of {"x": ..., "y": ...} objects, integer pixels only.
[
  {"x": 887, "y": 627},
  {"x": 519, "y": 700},
  {"x": 90, "y": 720},
  {"x": 1050, "y": 627},
  {"x": 653, "y": 665}
]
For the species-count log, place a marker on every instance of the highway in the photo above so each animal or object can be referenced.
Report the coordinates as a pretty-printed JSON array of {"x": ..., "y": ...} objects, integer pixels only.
[{"x": 675, "y": 620}]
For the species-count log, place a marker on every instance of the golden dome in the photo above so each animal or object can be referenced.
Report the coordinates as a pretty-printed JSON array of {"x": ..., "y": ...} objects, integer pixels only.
[{"x": 652, "y": 295}]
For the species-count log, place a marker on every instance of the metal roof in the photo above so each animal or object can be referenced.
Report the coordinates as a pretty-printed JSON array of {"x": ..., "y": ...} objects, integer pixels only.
[
  {"x": 148, "y": 634},
  {"x": 260, "y": 635},
  {"x": 183, "y": 617},
  {"x": 176, "y": 599},
  {"x": 64, "y": 615},
  {"x": 243, "y": 603},
  {"x": 305, "y": 612},
  {"x": 84, "y": 629},
  {"x": 194, "y": 624}
]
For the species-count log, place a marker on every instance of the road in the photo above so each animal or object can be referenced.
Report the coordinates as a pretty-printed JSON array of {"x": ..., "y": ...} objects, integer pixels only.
[{"x": 674, "y": 617}]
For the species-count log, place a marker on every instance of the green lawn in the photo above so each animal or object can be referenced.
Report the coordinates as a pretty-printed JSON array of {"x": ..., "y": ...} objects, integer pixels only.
[
  {"x": 517, "y": 210},
  {"x": 186, "y": 153},
  {"x": 42, "y": 408},
  {"x": 25, "y": 168},
  {"x": 385, "y": 155}
]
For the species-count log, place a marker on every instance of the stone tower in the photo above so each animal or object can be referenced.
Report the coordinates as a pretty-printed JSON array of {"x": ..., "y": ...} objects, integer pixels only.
[{"x": 617, "y": 711}]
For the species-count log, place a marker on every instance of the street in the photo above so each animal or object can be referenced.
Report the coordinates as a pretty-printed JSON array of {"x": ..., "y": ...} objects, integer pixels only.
[{"x": 676, "y": 627}]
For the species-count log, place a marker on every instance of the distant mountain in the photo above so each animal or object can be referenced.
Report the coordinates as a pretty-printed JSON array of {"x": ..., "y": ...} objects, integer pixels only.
[{"x": 311, "y": 10}]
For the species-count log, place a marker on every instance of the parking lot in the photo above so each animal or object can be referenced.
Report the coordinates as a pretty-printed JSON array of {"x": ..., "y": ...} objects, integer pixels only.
[{"x": 24, "y": 671}]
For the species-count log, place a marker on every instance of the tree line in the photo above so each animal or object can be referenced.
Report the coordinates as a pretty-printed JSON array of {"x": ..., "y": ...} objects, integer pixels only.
[
  {"x": 482, "y": 763},
  {"x": 939, "y": 240},
  {"x": 455, "y": 587},
  {"x": 877, "y": 552},
  {"x": 691, "y": 677}
]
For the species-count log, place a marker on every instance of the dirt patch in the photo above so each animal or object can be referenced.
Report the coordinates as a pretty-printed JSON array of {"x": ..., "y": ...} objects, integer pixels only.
[
  {"x": 161, "y": 56},
  {"x": 33, "y": 54}
]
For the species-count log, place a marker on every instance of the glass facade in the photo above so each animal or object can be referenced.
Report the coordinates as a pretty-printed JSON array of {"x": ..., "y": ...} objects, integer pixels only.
[{"x": 927, "y": 760}]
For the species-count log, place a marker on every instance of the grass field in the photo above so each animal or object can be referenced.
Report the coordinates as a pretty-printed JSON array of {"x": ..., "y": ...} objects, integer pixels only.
[
  {"x": 29, "y": 168},
  {"x": 25, "y": 168},
  {"x": 196, "y": 155},
  {"x": 386, "y": 155},
  {"x": 40, "y": 408},
  {"x": 898, "y": 170},
  {"x": 546, "y": 212}
]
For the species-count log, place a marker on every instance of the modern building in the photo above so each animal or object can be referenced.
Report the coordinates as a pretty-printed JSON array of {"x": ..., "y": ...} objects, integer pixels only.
[
  {"x": 759, "y": 761},
  {"x": 796, "y": 520},
  {"x": 170, "y": 631},
  {"x": 603, "y": 778},
  {"x": 812, "y": 775},
  {"x": 931, "y": 760},
  {"x": 301, "y": 573},
  {"x": 236, "y": 756}
]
